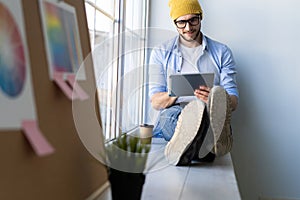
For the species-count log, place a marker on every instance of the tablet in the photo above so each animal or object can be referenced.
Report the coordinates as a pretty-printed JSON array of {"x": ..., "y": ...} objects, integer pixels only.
[{"x": 185, "y": 84}]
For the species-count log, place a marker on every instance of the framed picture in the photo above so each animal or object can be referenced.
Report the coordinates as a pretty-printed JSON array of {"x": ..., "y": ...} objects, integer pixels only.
[
  {"x": 62, "y": 38},
  {"x": 16, "y": 93}
]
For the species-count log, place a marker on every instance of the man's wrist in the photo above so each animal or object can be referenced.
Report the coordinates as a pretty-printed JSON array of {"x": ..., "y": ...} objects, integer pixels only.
[{"x": 174, "y": 100}]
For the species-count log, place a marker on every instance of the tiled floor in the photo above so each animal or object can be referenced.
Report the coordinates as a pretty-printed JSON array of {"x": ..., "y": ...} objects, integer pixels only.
[{"x": 200, "y": 181}]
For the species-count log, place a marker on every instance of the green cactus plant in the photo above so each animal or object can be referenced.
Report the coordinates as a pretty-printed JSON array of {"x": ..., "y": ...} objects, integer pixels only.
[
  {"x": 127, "y": 153},
  {"x": 127, "y": 157}
]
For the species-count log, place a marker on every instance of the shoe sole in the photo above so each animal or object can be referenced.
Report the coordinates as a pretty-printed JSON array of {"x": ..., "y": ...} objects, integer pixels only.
[
  {"x": 217, "y": 112},
  {"x": 193, "y": 149},
  {"x": 186, "y": 130}
]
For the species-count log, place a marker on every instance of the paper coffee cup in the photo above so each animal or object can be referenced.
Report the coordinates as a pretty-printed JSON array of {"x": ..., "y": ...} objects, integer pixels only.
[{"x": 146, "y": 133}]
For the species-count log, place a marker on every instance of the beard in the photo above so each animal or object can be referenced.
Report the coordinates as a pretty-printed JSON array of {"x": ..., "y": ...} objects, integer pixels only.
[{"x": 190, "y": 39}]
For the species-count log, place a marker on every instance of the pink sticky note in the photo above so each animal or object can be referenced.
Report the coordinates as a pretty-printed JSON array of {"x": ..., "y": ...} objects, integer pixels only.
[
  {"x": 76, "y": 87},
  {"x": 38, "y": 142},
  {"x": 58, "y": 78}
]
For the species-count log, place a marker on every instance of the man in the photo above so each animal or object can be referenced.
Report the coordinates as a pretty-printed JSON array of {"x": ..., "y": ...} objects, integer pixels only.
[{"x": 186, "y": 122}]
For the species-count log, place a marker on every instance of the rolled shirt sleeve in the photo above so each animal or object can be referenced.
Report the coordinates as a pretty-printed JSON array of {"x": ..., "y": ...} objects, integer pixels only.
[
  {"x": 228, "y": 73},
  {"x": 157, "y": 74}
]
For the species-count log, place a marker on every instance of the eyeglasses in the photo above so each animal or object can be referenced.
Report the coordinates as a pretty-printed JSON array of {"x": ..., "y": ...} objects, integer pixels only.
[{"x": 194, "y": 21}]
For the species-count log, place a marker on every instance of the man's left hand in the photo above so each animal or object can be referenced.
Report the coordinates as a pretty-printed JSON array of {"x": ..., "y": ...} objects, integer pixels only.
[{"x": 202, "y": 93}]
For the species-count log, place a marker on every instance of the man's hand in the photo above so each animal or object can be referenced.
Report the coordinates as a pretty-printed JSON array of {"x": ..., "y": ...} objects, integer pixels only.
[
  {"x": 162, "y": 100},
  {"x": 202, "y": 93}
]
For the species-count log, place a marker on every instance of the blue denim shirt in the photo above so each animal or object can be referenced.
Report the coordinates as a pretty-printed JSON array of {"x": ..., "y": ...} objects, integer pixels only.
[{"x": 167, "y": 59}]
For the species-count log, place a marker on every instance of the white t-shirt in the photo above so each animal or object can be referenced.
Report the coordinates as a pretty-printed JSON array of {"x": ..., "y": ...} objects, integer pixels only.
[
  {"x": 190, "y": 57},
  {"x": 189, "y": 65}
]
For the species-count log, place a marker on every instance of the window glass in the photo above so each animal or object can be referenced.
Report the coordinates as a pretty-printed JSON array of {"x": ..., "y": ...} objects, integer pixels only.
[
  {"x": 118, "y": 53},
  {"x": 133, "y": 60}
]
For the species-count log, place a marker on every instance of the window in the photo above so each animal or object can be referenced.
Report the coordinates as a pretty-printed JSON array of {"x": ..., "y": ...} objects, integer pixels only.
[{"x": 117, "y": 33}]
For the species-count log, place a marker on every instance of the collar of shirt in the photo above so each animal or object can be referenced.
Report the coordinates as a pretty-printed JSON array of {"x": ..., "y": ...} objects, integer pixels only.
[{"x": 204, "y": 42}]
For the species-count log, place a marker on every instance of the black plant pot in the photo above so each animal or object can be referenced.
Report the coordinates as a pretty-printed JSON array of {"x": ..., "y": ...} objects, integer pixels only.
[{"x": 126, "y": 185}]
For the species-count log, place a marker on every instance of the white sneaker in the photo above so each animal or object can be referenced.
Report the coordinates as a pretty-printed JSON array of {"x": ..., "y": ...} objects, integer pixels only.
[{"x": 182, "y": 147}]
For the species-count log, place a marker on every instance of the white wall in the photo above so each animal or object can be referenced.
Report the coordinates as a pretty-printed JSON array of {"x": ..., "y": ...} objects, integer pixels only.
[{"x": 264, "y": 37}]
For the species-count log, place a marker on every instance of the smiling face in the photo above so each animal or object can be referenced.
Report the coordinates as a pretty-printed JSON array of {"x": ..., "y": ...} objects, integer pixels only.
[{"x": 188, "y": 26}]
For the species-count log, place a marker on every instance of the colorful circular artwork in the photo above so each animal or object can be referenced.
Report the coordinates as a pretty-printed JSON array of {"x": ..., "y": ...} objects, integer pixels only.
[{"x": 12, "y": 58}]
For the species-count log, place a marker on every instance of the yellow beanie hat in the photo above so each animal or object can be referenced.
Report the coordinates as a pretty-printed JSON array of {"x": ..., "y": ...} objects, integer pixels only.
[{"x": 184, "y": 7}]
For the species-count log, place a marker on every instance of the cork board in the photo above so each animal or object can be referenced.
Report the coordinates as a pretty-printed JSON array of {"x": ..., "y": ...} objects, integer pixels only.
[{"x": 71, "y": 172}]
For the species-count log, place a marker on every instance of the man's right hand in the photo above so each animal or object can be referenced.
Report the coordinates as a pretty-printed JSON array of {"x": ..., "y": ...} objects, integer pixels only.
[{"x": 162, "y": 100}]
